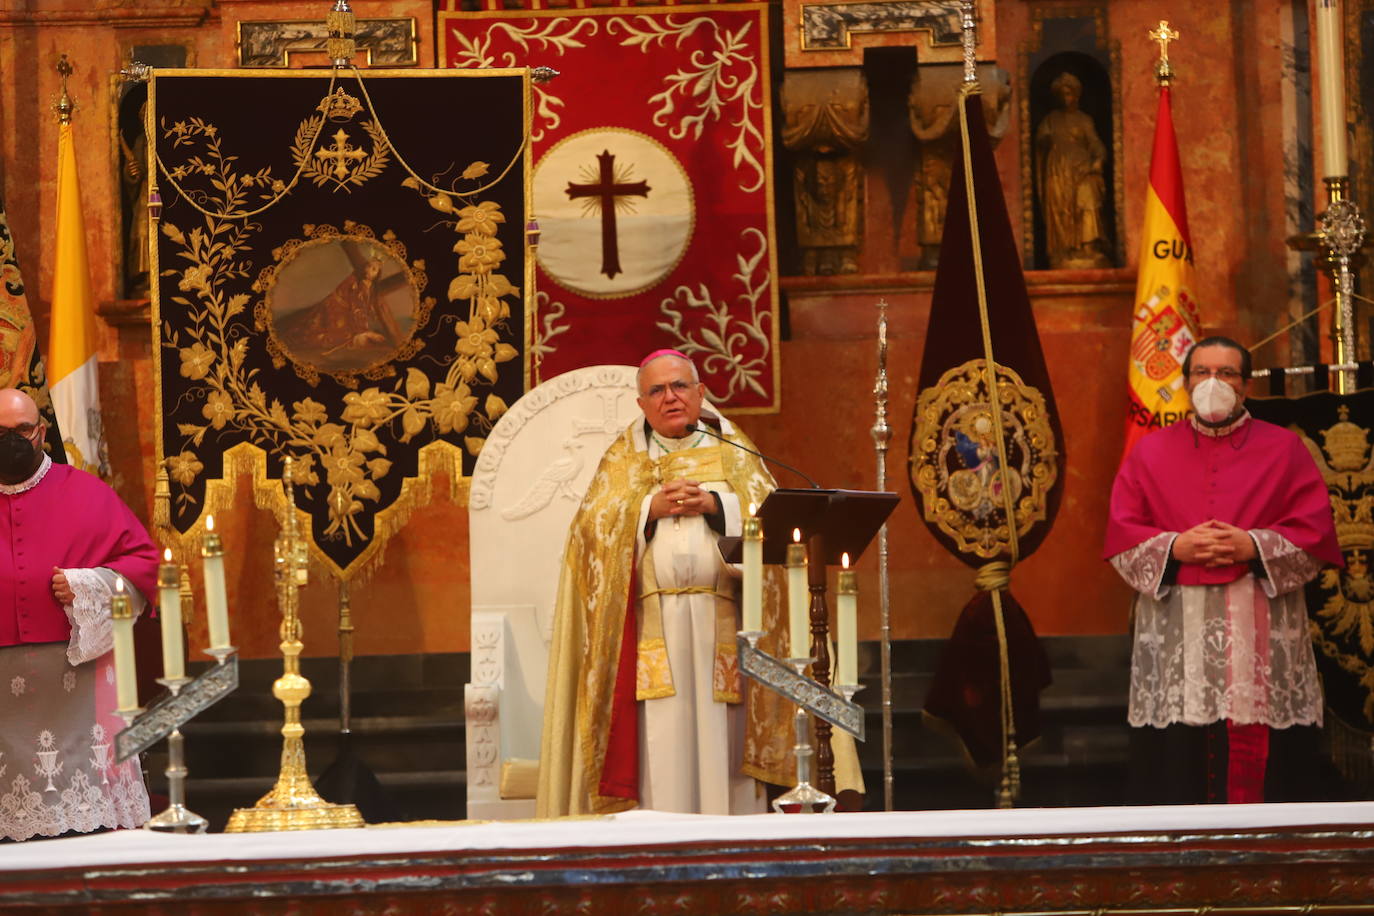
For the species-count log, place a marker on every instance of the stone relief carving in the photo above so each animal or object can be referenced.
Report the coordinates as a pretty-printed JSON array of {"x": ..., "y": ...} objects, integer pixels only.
[
  {"x": 826, "y": 122},
  {"x": 933, "y": 109}
]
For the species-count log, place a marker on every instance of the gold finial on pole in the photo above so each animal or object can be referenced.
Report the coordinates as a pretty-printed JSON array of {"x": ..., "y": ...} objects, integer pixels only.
[
  {"x": 1164, "y": 71},
  {"x": 969, "y": 26},
  {"x": 341, "y": 26},
  {"x": 64, "y": 106}
]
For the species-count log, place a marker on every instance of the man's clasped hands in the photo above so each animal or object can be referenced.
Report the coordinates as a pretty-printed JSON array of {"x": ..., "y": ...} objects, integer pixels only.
[{"x": 1214, "y": 543}]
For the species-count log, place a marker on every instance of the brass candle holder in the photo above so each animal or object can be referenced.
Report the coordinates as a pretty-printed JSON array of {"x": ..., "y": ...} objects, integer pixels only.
[{"x": 292, "y": 803}]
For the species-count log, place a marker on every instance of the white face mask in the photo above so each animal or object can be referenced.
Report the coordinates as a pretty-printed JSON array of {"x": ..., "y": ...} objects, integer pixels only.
[{"x": 1214, "y": 400}]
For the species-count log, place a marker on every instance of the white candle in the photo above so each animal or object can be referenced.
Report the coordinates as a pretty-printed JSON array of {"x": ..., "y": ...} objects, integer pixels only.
[
  {"x": 797, "y": 616},
  {"x": 122, "y": 613},
  {"x": 753, "y": 573},
  {"x": 1331, "y": 80},
  {"x": 169, "y": 609},
  {"x": 216, "y": 605},
  {"x": 847, "y": 635}
]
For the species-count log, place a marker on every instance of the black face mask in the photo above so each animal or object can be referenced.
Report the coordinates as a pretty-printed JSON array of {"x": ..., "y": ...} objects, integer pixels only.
[{"x": 18, "y": 458}]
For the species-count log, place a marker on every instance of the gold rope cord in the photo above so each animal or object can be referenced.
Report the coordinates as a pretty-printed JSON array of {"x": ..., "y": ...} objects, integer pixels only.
[
  {"x": 151, "y": 135},
  {"x": 309, "y": 153},
  {"x": 995, "y": 576}
]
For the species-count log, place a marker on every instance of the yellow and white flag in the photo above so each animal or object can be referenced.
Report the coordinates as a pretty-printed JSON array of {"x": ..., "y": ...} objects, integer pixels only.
[
  {"x": 72, "y": 338},
  {"x": 1165, "y": 324}
]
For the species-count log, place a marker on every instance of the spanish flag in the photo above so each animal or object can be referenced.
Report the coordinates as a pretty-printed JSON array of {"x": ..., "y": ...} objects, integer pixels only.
[
  {"x": 1166, "y": 320},
  {"x": 72, "y": 338}
]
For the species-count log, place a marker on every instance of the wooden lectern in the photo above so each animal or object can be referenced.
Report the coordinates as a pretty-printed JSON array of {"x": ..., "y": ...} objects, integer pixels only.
[{"x": 832, "y": 523}]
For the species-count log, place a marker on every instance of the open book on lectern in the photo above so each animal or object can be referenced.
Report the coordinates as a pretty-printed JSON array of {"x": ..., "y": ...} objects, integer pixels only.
[{"x": 847, "y": 520}]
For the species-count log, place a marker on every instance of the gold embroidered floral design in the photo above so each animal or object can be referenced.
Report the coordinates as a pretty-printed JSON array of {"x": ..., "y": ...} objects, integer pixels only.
[{"x": 341, "y": 444}]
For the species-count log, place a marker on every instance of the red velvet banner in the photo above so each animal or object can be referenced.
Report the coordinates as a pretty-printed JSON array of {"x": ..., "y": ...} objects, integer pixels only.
[{"x": 651, "y": 187}]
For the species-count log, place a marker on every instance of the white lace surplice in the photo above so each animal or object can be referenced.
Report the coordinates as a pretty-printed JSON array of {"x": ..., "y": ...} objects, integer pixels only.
[
  {"x": 57, "y": 766},
  {"x": 1205, "y": 653},
  {"x": 57, "y": 721}
]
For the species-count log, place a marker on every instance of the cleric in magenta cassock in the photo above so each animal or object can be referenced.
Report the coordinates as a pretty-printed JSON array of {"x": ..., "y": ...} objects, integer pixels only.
[
  {"x": 66, "y": 538},
  {"x": 1217, "y": 522}
]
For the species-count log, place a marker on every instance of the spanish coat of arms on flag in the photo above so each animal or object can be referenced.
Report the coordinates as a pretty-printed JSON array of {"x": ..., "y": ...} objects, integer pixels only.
[{"x": 652, "y": 183}]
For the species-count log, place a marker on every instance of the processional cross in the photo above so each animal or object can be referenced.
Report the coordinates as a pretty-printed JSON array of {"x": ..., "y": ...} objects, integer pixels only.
[
  {"x": 607, "y": 192},
  {"x": 1163, "y": 35}
]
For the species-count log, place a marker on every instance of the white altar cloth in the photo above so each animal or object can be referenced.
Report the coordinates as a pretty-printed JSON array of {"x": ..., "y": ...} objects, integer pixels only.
[{"x": 639, "y": 829}]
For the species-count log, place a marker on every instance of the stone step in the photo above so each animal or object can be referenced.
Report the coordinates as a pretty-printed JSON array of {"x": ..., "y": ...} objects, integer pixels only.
[
  {"x": 389, "y": 744},
  {"x": 419, "y": 795}
]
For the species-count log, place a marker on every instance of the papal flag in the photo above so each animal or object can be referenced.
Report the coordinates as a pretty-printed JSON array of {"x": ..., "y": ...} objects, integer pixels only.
[
  {"x": 1166, "y": 319},
  {"x": 72, "y": 339}
]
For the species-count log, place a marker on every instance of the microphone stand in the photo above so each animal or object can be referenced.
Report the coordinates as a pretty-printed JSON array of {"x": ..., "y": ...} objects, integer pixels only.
[{"x": 705, "y": 428}]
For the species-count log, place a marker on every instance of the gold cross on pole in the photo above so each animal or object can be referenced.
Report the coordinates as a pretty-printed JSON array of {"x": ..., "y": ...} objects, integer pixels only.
[
  {"x": 1164, "y": 72},
  {"x": 1163, "y": 35}
]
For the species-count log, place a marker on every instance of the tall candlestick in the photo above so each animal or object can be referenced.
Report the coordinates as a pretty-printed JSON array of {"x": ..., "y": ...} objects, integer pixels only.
[
  {"x": 1331, "y": 80},
  {"x": 753, "y": 573},
  {"x": 169, "y": 609},
  {"x": 122, "y": 613},
  {"x": 797, "y": 594},
  {"x": 847, "y": 630},
  {"x": 216, "y": 605}
]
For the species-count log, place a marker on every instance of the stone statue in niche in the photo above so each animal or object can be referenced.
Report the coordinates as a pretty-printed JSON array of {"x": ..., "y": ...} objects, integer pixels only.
[
  {"x": 933, "y": 110},
  {"x": 826, "y": 121},
  {"x": 133, "y": 182},
  {"x": 1069, "y": 182}
]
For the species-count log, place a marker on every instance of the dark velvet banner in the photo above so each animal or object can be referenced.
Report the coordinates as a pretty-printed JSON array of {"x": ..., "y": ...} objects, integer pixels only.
[
  {"x": 340, "y": 269},
  {"x": 1340, "y": 602},
  {"x": 957, "y": 474}
]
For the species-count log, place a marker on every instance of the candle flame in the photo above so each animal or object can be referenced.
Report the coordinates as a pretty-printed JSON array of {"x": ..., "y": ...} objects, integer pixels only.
[
  {"x": 119, "y": 585},
  {"x": 796, "y": 535},
  {"x": 167, "y": 555},
  {"x": 753, "y": 507},
  {"x": 209, "y": 523},
  {"x": 844, "y": 560}
]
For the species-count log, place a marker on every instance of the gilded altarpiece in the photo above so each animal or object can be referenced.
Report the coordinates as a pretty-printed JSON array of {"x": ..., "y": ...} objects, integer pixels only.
[
  {"x": 1072, "y": 190},
  {"x": 340, "y": 277}
]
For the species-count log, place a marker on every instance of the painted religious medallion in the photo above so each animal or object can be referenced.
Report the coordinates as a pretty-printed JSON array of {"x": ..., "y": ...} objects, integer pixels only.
[
  {"x": 954, "y": 461},
  {"x": 340, "y": 303},
  {"x": 616, "y": 212}
]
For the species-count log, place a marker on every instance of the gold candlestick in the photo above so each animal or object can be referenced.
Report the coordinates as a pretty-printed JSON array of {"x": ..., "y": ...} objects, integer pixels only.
[{"x": 293, "y": 803}]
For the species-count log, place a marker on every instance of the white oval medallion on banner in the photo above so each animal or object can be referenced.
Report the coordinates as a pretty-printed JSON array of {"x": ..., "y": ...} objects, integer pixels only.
[{"x": 616, "y": 212}]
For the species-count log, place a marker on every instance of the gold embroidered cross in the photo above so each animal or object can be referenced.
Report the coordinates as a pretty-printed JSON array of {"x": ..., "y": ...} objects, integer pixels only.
[{"x": 341, "y": 152}]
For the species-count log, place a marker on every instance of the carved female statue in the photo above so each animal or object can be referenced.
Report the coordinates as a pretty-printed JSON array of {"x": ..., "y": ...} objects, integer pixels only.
[{"x": 1068, "y": 177}]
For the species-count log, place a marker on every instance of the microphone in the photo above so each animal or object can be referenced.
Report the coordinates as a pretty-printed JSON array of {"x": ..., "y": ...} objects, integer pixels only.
[{"x": 704, "y": 428}]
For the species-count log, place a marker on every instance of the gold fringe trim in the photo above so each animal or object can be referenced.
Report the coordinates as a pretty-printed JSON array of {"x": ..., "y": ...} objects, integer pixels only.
[{"x": 248, "y": 460}]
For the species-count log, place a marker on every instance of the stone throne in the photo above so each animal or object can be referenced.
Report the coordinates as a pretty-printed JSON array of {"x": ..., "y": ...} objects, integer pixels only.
[{"x": 528, "y": 481}]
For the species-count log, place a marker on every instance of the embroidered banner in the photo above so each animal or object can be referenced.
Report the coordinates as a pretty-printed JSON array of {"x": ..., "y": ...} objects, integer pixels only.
[
  {"x": 21, "y": 366},
  {"x": 987, "y": 459},
  {"x": 1340, "y": 602},
  {"x": 653, "y": 199},
  {"x": 340, "y": 264}
]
